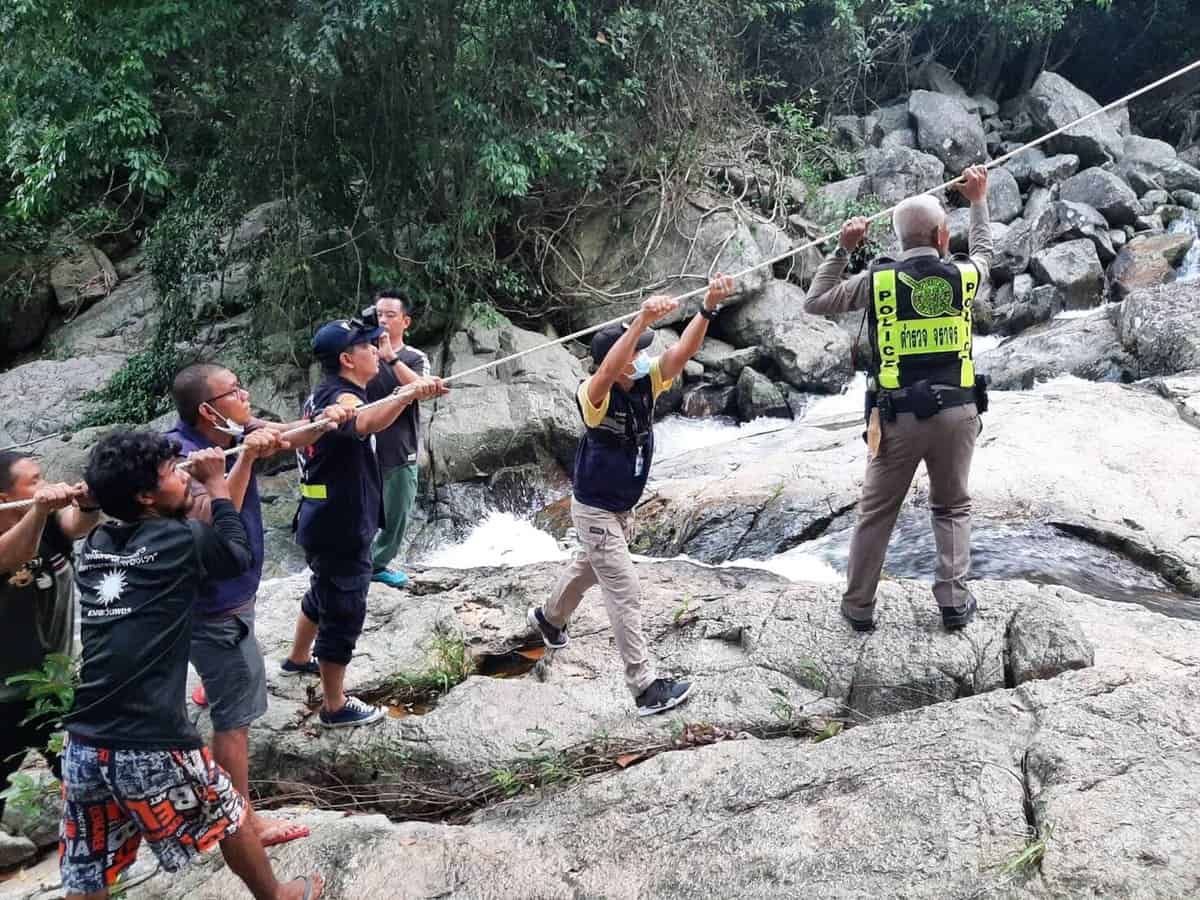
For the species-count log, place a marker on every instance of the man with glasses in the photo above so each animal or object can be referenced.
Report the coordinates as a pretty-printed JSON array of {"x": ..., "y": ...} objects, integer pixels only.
[
  {"x": 341, "y": 507},
  {"x": 214, "y": 411}
]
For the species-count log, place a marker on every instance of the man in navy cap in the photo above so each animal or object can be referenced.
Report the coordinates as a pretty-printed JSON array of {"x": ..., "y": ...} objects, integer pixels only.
[
  {"x": 340, "y": 511},
  {"x": 611, "y": 466}
]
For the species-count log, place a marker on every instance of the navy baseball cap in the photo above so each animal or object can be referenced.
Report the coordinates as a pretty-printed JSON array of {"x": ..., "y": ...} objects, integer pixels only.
[
  {"x": 603, "y": 340},
  {"x": 334, "y": 337}
]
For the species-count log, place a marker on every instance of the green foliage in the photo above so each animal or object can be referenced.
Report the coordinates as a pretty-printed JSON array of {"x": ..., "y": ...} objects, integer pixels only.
[
  {"x": 52, "y": 691},
  {"x": 29, "y": 797},
  {"x": 1029, "y": 858}
]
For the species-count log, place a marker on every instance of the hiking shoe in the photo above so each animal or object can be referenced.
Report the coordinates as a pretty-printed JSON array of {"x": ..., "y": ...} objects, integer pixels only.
[
  {"x": 553, "y": 638},
  {"x": 354, "y": 713},
  {"x": 287, "y": 667},
  {"x": 955, "y": 617},
  {"x": 663, "y": 694},
  {"x": 390, "y": 578},
  {"x": 864, "y": 626}
]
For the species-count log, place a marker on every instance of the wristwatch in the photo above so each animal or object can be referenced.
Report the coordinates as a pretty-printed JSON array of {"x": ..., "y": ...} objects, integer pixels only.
[
  {"x": 841, "y": 252},
  {"x": 392, "y": 361},
  {"x": 710, "y": 314}
]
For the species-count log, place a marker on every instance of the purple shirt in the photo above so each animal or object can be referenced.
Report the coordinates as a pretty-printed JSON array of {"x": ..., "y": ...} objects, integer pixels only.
[{"x": 219, "y": 597}]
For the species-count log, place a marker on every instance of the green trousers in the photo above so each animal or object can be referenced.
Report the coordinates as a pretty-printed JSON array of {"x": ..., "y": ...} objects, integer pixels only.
[{"x": 399, "y": 492}]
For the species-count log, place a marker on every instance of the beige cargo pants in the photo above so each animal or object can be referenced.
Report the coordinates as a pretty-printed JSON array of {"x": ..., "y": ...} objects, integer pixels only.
[
  {"x": 946, "y": 442},
  {"x": 603, "y": 558}
]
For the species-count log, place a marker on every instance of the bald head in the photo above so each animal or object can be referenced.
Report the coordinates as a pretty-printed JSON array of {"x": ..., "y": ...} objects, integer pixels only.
[{"x": 919, "y": 222}]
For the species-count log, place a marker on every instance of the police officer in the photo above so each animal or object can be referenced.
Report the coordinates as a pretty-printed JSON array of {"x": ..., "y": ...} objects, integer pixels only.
[
  {"x": 340, "y": 511},
  {"x": 922, "y": 389},
  {"x": 611, "y": 466}
]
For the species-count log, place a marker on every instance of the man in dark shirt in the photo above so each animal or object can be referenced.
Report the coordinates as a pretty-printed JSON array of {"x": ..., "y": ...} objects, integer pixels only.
[
  {"x": 134, "y": 765},
  {"x": 214, "y": 411},
  {"x": 397, "y": 446},
  {"x": 37, "y": 606},
  {"x": 341, "y": 507}
]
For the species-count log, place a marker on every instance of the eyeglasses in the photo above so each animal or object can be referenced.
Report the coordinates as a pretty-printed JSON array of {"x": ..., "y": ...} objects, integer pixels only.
[{"x": 236, "y": 389}]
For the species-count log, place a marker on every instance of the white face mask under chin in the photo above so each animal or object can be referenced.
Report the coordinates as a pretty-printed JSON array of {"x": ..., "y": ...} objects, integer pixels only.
[{"x": 231, "y": 428}]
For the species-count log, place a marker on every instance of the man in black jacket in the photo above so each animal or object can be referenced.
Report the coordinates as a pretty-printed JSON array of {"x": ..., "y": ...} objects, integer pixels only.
[{"x": 134, "y": 766}]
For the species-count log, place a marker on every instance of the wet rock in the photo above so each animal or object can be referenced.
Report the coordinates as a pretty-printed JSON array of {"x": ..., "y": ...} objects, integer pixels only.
[
  {"x": 1145, "y": 262},
  {"x": 1153, "y": 199},
  {"x": 1161, "y": 327},
  {"x": 1074, "y": 269},
  {"x": 1102, "y": 191},
  {"x": 898, "y": 172},
  {"x": 706, "y": 401},
  {"x": 758, "y": 396},
  {"x": 1054, "y": 169},
  {"x": 1021, "y": 305},
  {"x": 84, "y": 274},
  {"x": 1054, "y": 103},
  {"x": 1187, "y": 199},
  {"x": 737, "y": 361},
  {"x": 1148, "y": 164},
  {"x": 48, "y": 396},
  {"x": 1004, "y": 196},
  {"x": 946, "y": 130},
  {"x": 1083, "y": 347},
  {"x": 713, "y": 352}
]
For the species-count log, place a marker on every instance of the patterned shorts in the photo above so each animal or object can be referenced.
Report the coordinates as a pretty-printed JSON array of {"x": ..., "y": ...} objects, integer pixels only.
[{"x": 180, "y": 800}]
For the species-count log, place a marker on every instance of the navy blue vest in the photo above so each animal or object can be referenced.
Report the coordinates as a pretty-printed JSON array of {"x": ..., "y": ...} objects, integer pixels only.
[
  {"x": 608, "y": 474},
  {"x": 341, "y": 489}
]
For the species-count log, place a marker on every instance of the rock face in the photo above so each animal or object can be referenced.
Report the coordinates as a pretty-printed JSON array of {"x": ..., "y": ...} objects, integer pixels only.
[
  {"x": 1084, "y": 347},
  {"x": 1054, "y": 169},
  {"x": 121, "y": 323},
  {"x": 1149, "y": 164},
  {"x": 812, "y": 353},
  {"x": 1074, "y": 269},
  {"x": 26, "y": 305},
  {"x": 757, "y": 396},
  {"x": 1004, "y": 196},
  {"x": 48, "y": 396},
  {"x": 83, "y": 275},
  {"x": 946, "y": 130},
  {"x": 1145, "y": 262},
  {"x": 1054, "y": 103},
  {"x": 897, "y": 172},
  {"x": 1103, "y": 191},
  {"x": 1161, "y": 327}
]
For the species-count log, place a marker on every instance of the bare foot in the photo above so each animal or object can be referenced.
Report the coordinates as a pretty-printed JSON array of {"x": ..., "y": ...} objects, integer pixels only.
[
  {"x": 306, "y": 888},
  {"x": 277, "y": 831}
]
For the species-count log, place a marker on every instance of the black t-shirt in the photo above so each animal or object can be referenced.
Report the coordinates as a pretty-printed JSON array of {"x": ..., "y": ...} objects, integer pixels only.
[
  {"x": 37, "y": 609},
  {"x": 397, "y": 445},
  {"x": 138, "y": 583}
]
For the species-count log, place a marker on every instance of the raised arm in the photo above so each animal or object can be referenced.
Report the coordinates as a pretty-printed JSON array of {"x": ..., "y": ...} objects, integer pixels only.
[
  {"x": 829, "y": 294},
  {"x": 653, "y": 309},
  {"x": 671, "y": 363},
  {"x": 19, "y": 544},
  {"x": 973, "y": 185}
]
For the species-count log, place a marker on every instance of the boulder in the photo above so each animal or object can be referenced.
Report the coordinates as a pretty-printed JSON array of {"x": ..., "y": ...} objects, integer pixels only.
[
  {"x": 773, "y": 242},
  {"x": 713, "y": 352},
  {"x": 122, "y": 323},
  {"x": 1004, "y": 196},
  {"x": 1022, "y": 165},
  {"x": 893, "y": 118},
  {"x": 15, "y": 849},
  {"x": 1040, "y": 647},
  {"x": 737, "y": 361},
  {"x": 82, "y": 275},
  {"x": 1074, "y": 269},
  {"x": 1014, "y": 245},
  {"x": 1147, "y": 261},
  {"x": 1023, "y": 305},
  {"x": 1078, "y": 220},
  {"x": 1148, "y": 164},
  {"x": 26, "y": 305},
  {"x": 1036, "y": 202},
  {"x": 946, "y": 130},
  {"x": 1160, "y": 326},
  {"x": 1054, "y": 103},
  {"x": 1086, "y": 347},
  {"x": 1054, "y": 169},
  {"x": 48, "y": 395},
  {"x": 897, "y": 172},
  {"x": 1153, "y": 199},
  {"x": 937, "y": 78},
  {"x": 1103, "y": 191},
  {"x": 830, "y": 202},
  {"x": 705, "y": 401},
  {"x": 810, "y": 352},
  {"x": 958, "y": 222},
  {"x": 255, "y": 226},
  {"x": 38, "y": 821},
  {"x": 757, "y": 396},
  {"x": 676, "y": 242},
  {"x": 1187, "y": 199},
  {"x": 903, "y": 137}
]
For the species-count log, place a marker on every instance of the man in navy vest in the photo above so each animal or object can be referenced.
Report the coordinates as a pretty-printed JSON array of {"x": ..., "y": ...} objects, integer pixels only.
[
  {"x": 611, "y": 467},
  {"x": 214, "y": 411},
  {"x": 922, "y": 388}
]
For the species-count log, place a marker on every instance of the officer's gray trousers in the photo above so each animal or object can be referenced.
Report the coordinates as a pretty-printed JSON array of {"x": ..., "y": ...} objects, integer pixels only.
[{"x": 946, "y": 442}]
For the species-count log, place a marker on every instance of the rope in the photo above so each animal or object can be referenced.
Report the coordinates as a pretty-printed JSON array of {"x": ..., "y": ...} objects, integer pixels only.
[{"x": 583, "y": 332}]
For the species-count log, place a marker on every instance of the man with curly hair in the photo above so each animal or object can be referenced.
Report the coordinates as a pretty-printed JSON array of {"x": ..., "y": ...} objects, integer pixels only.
[{"x": 134, "y": 766}]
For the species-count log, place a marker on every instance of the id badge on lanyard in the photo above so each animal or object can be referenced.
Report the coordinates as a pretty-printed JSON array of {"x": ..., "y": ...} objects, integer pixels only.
[{"x": 640, "y": 463}]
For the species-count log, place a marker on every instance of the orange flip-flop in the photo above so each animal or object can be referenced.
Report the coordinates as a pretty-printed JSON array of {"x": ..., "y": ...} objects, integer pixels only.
[
  {"x": 292, "y": 833},
  {"x": 199, "y": 697}
]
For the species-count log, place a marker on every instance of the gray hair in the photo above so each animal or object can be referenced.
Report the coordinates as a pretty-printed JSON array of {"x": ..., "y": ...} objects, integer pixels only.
[{"x": 916, "y": 221}]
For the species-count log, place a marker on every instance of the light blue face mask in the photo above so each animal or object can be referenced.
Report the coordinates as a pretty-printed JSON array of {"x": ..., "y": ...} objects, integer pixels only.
[{"x": 641, "y": 366}]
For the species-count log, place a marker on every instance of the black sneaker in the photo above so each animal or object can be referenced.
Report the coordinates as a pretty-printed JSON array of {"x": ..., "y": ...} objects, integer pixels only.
[
  {"x": 956, "y": 617},
  {"x": 864, "y": 626},
  {"x": 663, "y": 694},
  {"x": 553, "y": 638}
]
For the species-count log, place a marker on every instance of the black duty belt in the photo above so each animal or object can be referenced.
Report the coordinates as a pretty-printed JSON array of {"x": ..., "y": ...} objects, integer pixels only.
[{"x": 922, "y": 400}]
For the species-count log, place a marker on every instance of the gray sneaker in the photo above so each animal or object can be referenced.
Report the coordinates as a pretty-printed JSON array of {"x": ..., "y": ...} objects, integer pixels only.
[
  {"x": 553, "y": 638},
  {"x": 354, "y": 713},
  {"x": 663, "y": 694}
]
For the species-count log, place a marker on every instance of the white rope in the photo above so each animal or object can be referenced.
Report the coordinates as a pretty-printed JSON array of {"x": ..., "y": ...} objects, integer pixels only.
[{"x": 583, "y": 332}]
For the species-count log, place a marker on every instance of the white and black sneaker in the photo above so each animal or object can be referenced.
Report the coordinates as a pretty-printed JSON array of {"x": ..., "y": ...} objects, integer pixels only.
[
  {"x": 352, "y": 715},
  {"x": 553, "y": 638},
  {"x": 663, "y": 694}
]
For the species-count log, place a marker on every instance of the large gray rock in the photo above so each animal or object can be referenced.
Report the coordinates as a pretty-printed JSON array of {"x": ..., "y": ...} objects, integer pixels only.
[
  {"x": 830, "y": 203},
  {"x": 15, "y": 849},
  {"x": 1004, "y": 196},
  {"x": 1147, "y": 261},
  {"x": 946, "y": 130},
  {"x": 1037, "y": 201},
  {"x": 811, "y": 353},
  {"x": 935, "y": 77},
  {"x": 1020, "y": 305},
  {"x": 522, "y": 412},
  {"x": 1148, "y": 164},
  {"x": 1041, "y": 646},
  {"x": 82, "y": 275},
  {"x": 1078, "y": 220},
  {"x": 48, "y": 396},
  {"x": 673, "y": 242},
  {"x": 757, "y": 396},
  {"x": 705, "y": 401},
  {"x": 1054, "y": 103},
  {"x": 1161, "y": 327},
  {"x": 122, "y": 323},
  {"x": 1103, "y": 191},
  {"x": 897, "y": 172},
  {"x": 1083, "y": 347},
  {"x": 1054, "y": 169},
  {"x": 1074, "y": 268},
  {"x": 1021, "y": 166},
  {"x": 1015, "y": 245}
]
